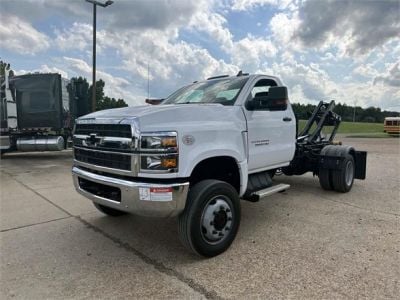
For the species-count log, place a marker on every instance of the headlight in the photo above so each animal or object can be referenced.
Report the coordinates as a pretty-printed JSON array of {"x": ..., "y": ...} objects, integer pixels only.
[
  {"x": 160, "y": 141},
  {"x": 167, "y": 163},
  {"x": 159, "y": 152}
]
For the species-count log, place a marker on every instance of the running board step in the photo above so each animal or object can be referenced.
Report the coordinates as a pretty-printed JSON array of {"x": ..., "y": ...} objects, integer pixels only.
[{"x": 256, "y": 196}]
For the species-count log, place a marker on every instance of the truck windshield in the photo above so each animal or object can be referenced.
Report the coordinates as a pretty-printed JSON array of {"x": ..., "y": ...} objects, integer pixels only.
[{"x": 223, "y": 91}]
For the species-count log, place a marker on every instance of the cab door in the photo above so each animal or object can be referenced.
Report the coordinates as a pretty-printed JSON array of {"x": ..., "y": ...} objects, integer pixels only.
[{"x": 271, "y": 132}]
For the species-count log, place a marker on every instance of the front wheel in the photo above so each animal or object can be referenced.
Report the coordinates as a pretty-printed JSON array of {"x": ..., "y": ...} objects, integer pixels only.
[{"x": 211, "y": 219}]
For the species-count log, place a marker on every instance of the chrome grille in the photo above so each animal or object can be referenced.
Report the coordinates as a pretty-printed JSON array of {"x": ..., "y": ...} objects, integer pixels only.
[
  {"x": 103, "y": 159},
  {"x": 106, "y": 145},
  {"x": 106, "y": 130}
]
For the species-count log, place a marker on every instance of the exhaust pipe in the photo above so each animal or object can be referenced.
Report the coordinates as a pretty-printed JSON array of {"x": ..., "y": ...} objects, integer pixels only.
[{"x": 45, "y": 143}]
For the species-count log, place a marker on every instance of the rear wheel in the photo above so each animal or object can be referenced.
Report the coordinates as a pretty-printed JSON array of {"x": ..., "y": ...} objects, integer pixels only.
[
  {"x": 211, "y": 219},
  {"x": 325, "y": 179},
  {"x": 109, "y": 211},
  {"x": 343, "y": 178}
]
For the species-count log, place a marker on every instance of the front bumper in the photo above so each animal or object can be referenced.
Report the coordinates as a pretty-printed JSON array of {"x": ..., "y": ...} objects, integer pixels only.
[{"x": 168, "y": 200}]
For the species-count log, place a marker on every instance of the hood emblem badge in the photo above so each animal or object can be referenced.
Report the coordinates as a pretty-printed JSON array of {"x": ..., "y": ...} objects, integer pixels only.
[{"x": 92, "y": 140}]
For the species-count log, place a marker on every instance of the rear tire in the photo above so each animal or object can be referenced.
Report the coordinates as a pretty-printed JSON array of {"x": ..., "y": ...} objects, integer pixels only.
[
  {"x": 325, "y": 179},
  {"x": 109, "y": 211},
  {"x": 343, "y": 178},
  {"x": 211, "y": 218}
]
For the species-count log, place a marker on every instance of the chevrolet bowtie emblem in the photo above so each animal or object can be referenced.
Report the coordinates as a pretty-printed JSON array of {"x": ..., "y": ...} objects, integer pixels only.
[{"x": 92, "y": 139}]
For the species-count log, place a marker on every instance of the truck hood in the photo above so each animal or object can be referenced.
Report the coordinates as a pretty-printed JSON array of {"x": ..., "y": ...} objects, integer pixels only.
[{"x": 171, "y": 117}]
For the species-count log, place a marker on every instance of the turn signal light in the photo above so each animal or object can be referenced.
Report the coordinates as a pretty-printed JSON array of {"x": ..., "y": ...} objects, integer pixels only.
[
  {"x": 168, "y": 142},
  {"x": 169, "y": 163}
]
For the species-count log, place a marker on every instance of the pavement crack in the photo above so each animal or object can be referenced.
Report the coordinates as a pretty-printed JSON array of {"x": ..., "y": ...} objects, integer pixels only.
[
  {"x": 37, "y": 193},
  {"x": 209, "y": 294},
  {"x": 159, "y": 266},
  {"x": 34, "y": 224},
  {"x": 359, "y": 207}
]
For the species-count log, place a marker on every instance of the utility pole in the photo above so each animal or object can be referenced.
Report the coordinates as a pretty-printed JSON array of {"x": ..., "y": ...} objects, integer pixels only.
[
  {"x": 95, "y": 3},
  {"x": 354, "y": 111},
  {"x": 148, "y": 81}
]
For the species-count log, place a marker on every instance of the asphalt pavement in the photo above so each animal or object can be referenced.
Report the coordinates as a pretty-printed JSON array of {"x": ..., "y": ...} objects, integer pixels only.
[{"x": 305, "y": 243}]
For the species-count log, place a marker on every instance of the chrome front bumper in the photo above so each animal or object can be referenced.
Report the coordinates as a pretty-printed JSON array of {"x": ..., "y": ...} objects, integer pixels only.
[{"x": 168, "y": 200}]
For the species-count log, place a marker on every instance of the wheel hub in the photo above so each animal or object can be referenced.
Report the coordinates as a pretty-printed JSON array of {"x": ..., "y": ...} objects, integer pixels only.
[
  {"x": 349, "y": 174},
  {"x": 216, "y": 220}
]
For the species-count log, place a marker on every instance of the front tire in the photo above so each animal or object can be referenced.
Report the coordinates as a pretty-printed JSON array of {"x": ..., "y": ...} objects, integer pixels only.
[
  {"x": 211, "y": 219},
  {"x": 109, "y": 211}
]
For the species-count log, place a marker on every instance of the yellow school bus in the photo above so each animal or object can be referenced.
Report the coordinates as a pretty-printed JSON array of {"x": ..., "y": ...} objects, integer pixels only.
[{"x": 391, "y": 125}]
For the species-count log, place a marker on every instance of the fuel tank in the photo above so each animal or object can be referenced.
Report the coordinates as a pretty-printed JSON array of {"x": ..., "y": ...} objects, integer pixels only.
[{"x": 42, "y": 143}]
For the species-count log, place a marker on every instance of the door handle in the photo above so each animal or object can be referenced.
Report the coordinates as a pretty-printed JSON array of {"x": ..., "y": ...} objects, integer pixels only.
[{"x": 287, "y": 119}]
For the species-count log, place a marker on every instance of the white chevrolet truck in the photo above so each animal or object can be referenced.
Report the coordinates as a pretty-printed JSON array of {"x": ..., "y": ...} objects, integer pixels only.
[{"x": 201, "y": 150}]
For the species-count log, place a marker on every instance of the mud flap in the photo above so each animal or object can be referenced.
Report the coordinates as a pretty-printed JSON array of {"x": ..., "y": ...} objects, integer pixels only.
[{"x": 361, "y": 164}]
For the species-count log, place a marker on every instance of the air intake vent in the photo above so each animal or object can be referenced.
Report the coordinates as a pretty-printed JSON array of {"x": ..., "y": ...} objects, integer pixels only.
[
  {"x": 103, "y": 159},
  {"x": 111, "y": 130}
]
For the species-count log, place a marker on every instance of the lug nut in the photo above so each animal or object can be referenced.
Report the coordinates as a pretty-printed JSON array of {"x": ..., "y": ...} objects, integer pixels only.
[{"x": 221, "y": 234}]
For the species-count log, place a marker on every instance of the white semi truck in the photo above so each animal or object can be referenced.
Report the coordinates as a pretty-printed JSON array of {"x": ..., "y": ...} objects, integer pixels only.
[{"x": 204, "y": 148}]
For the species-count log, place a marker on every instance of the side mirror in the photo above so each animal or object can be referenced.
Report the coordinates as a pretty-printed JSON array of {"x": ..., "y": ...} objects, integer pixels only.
[
  {"x": 154, "y": 101},
  {"x": 274, "y": 100}
]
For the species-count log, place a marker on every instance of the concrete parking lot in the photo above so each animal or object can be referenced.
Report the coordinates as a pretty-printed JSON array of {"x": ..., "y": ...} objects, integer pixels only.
[{"x": 304, "y": 243}]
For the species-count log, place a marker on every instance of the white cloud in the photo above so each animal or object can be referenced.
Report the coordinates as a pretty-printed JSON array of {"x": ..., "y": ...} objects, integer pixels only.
[
  {"x": 283, "y": 27},
  {"x": 314, "y": 82},
  {"x": 366, "y": 70},
  {"x": 79, "y": 36},
  {"x": 44, "y": 69},
  {"x": 115, "y": 86},
  {"x": 250, "y": 52},
  {"x": 310, "y": 84},
  {"x": 213, "y": 24},
  {"x": 48, "y": 69},
  {"x": 355, "y": 27},
  {"x": 391, "y": 77},
  {"x": 19, "y": 36},
  {"x": 142, "y": 33},
  {"x": 240, "y": 5}
]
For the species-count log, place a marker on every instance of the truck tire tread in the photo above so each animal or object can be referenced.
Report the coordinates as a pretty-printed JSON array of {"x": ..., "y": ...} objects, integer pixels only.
[
  {"x": 339, "y": 176},
  {"x": 195, "y": 202}
]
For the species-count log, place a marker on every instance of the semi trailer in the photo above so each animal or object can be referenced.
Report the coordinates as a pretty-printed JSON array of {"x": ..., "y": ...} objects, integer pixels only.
[{"x": 37, "y": 112}]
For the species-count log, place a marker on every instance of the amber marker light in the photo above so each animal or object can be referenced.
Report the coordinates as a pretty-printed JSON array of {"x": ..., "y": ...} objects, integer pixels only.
[
  {"x": 168, "y": 142},
  {"x": 169, "y": 163}
]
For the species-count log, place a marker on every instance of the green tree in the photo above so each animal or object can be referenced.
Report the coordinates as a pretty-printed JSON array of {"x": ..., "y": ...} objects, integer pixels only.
[
  {"x": 370, "y": 114},
  {"x": 108, "y": 102},
  {"x": 81, "y": 100},
  {"x": 99, "y": 92},
  {"x": 3, "y": 66},
  {"x": 105, "y": 102}
]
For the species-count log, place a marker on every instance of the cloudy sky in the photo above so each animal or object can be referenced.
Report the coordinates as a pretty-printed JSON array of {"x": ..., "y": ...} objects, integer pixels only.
[{"x": 347, "y": 50}]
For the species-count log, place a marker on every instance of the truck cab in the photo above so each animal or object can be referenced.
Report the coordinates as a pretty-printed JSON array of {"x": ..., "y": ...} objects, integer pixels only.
[{"x": 194, "y": 156}]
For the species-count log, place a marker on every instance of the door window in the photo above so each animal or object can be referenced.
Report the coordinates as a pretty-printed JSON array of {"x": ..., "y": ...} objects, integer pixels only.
[{"x": 259, "y": 93}]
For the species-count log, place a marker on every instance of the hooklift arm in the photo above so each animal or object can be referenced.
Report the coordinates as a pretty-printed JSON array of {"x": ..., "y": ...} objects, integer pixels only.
[{"x": 322, "y": 115}]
